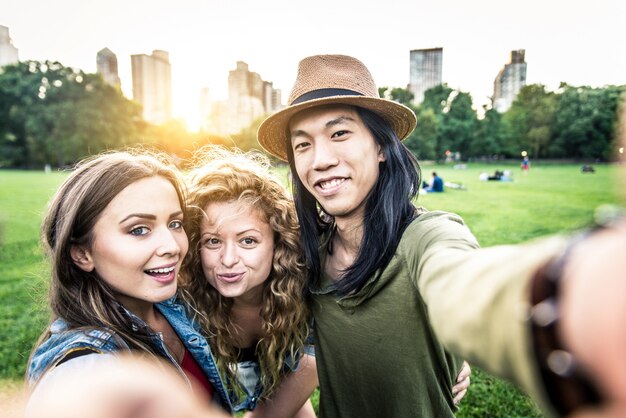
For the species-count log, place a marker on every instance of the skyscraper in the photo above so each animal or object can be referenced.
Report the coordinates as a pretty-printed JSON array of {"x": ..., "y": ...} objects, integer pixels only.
[
  {"x": 249, "y": 97},
  {"x": 8, "y": 53},
  {"x": 425, "y": 71},
  {"x": 509, "y": 81},
  {"x": 152, "y": 85},
  {"x": 106, "y": 63}
]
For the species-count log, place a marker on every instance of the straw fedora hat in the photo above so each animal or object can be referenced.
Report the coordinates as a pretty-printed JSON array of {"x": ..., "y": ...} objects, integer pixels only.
[{"x": 332, "y": 79}]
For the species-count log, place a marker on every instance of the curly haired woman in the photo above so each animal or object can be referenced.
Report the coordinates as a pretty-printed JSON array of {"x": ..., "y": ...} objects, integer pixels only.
[{"x": 247, "y": 281}]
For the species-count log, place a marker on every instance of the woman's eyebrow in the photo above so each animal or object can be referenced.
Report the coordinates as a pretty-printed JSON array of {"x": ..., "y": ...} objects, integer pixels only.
[{"x": 139, "y": 215}]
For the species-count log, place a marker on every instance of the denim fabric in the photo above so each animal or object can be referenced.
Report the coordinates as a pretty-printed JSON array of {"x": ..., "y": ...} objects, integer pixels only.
[
  {"x": 190, "y": 334},
  {"x": 249, "y": 377},
  {"x": 63, "y": 341}
]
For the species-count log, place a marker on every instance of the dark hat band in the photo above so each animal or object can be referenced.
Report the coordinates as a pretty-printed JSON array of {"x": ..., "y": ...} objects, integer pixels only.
[{"x": 321, "y": 93}]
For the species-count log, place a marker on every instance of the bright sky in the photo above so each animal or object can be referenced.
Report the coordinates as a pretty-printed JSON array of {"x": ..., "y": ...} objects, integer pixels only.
[{"x": 579, "y": 42}]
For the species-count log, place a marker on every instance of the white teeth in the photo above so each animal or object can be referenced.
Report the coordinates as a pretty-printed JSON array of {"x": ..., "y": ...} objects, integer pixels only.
[
  {"x": 161, "y": 271},
  {"x": 330, "y": 183}
]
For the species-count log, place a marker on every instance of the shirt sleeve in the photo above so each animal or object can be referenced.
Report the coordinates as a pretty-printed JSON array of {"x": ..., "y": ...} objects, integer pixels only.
[{"x": 478, "y": 299}]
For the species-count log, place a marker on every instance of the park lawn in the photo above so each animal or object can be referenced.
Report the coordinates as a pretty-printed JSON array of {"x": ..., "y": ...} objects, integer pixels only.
[
  {"x": 550, "y": 198},
  {"x": 23, "y": 197}
]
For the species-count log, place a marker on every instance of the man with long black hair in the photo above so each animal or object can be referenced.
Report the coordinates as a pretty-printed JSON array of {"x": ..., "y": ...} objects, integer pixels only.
[{"x": 396, "y": 289}]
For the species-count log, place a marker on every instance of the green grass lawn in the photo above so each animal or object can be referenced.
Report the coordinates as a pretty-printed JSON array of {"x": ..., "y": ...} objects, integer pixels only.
[
  {"x": 23, "y": 198},
  {"x": 550, "y": 198}
]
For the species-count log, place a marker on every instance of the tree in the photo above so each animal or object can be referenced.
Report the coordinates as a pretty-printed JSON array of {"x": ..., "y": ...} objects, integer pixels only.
[
  {"x": 403, "y": 96},
  {"x": 423, "y": 140},
  {"x": 488, "y": 141},
  {"x": 458, "y": 127},
  {"x": 585, "y": 122},
  {"x": 18, "y": 92},
  {"x": 528, "y": 124},
  {"x": 56, "y": 115},
  {"x": 437, "y": 98}
]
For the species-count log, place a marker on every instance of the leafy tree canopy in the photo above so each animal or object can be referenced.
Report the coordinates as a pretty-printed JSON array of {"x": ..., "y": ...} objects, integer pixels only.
[{"x": 52, "y": 114}]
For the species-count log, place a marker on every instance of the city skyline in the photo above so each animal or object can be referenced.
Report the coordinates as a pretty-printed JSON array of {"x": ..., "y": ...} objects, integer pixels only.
[{"x": 567, "y": 42}]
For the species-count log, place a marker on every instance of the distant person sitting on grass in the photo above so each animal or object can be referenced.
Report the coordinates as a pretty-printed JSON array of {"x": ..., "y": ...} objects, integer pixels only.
[
  {"x": 498, "y": 176},
  {"x": 435, "y": 185}
]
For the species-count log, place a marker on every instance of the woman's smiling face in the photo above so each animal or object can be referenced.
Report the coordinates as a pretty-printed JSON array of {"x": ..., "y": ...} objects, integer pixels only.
[{"x": 139, "y": 243}]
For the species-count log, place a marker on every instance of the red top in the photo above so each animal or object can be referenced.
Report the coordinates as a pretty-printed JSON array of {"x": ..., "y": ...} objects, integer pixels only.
[{"x": 195, "y": 374}]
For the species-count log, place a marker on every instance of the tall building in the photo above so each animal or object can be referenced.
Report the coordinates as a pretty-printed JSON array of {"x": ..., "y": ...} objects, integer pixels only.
[
  {"x": 249, "y": 97},
  {"x": 106, "y": 63},
  {"x": 276, "y": 100},
  {"x": 509, "y": 81},
  {"x": 152, "y": 85},
  {"x": 425, "y": 71},
  {"x": 8, "y": 53}
]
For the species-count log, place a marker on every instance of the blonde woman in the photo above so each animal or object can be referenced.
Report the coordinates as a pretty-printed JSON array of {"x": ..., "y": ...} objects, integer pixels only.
[{"x": 246, "y": 277}]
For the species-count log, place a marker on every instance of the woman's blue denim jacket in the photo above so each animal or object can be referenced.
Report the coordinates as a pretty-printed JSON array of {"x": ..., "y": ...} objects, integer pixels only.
[{"x": 64, "y": 341}]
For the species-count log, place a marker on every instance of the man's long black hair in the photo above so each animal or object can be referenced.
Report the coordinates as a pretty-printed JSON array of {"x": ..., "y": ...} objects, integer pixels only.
[{"x": 388, "y": 209}]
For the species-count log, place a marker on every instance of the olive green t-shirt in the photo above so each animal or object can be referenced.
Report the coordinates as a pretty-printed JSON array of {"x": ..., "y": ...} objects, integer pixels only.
[{"x": 377, "y": 355}]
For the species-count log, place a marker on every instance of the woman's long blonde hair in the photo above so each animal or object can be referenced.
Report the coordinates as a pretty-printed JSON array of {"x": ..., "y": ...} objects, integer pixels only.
[{"x": 225, "y": 176}]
